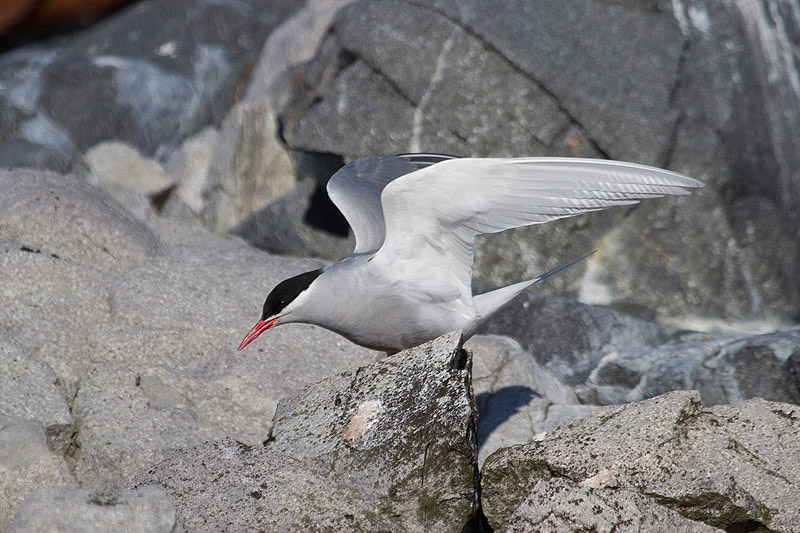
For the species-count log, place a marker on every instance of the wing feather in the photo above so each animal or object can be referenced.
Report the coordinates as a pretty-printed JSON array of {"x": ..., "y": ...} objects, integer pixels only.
[
  {"x": 432, "y": 215},
  {"x": 356, "y": 190}
]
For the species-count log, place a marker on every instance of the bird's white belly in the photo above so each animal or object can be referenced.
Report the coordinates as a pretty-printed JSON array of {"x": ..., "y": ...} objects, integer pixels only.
[
  {"x": 390, "y": 319},
  {"x": 393, "y": 324}
]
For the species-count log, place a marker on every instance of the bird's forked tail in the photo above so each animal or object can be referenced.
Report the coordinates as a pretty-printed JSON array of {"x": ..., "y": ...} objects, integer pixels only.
[{"x": 488, "y": 303}]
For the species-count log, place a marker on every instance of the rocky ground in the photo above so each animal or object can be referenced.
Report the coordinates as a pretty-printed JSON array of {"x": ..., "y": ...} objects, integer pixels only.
[{"x": 165, "y": 167}]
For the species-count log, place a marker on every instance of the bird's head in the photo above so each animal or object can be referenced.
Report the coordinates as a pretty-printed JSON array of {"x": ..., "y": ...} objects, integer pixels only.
[{"x": 280, "y": 302}]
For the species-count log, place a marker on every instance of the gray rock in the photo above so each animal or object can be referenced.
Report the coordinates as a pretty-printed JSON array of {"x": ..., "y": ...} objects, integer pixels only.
[
  {"x": 732, "y": 283},
  {"x": 158, "y": 73},
  {"x": 26, "y": 464},
  {"x": 120, "y": 431},
  {"x": 230, "y": 486},
  {"x": 759, "y": 367},
  {"x": 292, "y": 43},
  {"x": 68, "y": 510},
  {"x": 723, "y": 370},
  {"x": 416, "y": 104},
  {"x": 120, "y": 163},
  {"x": 188, "y": 169},
  {"x": 590, "y": 83},
  {"x": 275, "y": 229},
  {"x": 184, "y": 287},
  {"x": 581, "y": 507},
  {"x": 176, "y": 324},
  {"x": 172, "y": 322},
  {"x": 29, "y": 388},
  {"x": 516, "y": 398},
  {"x": 48, "y": 302},
  {"x": 135, "y": 181},
  {"x": 67, "y": 217},
  {"x": 729, "y": 466},
  {"x": 227, "y": 176},
  {"x": 569, "y": 338},
  {"x": 248, "y": 170},
  {"x": 390, "y": 446}
]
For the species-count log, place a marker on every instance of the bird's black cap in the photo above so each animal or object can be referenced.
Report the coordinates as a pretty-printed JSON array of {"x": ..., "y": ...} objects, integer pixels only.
[{"x": 286, "y": 291}]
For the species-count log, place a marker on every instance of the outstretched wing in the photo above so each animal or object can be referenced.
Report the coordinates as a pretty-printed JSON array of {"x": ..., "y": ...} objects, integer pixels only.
[
  {"x": 356, "y": 190},
  {"x": 432, "y": 215}
]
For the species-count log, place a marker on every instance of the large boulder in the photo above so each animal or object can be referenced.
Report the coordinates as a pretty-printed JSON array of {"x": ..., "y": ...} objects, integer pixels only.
[
  {"x": 149, "y": 75},
  {"x": 661, "y": 464},
  {"x": 388, "y": 446}
]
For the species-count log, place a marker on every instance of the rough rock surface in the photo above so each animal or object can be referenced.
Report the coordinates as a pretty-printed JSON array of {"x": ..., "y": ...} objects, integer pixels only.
[
  {"x": 728, "y": 466},
  {"x": 581, "y": 507},
  {"x": 26, "y": 464},
  {"x": 177, "y": 72},
  {"x": 29, "y": 387},
  {"x": 724, "y": 370},
  {"x": 516, "y": 398},
  {"x": 60, "y": 509},
  {"x": 395, "y": 440},
  {"x": 83, "y": 224},
  {"x": 116, "y": 365}
]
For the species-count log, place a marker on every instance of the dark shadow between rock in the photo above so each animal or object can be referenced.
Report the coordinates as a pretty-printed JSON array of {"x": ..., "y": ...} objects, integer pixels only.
[{"x": 494, "y": 408}]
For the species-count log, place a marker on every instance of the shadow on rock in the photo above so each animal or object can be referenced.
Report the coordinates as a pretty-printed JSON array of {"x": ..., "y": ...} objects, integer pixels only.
[{"x": 494, "y": 408}]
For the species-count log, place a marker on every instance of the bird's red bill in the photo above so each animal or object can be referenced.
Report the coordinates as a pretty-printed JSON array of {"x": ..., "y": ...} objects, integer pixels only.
[{"x": 260, "y": 327}]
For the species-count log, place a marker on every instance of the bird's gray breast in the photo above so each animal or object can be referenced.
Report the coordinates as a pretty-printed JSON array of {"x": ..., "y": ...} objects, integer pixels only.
[{"x": 365, "y": 305}]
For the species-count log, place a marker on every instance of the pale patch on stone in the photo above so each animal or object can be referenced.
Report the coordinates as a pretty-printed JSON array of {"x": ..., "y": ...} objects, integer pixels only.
[
  {"x": 361, "y": 421},
  {"x": 605, "y": 478}
]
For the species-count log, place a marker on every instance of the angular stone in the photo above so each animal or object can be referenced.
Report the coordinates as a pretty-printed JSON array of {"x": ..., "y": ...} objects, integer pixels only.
[
  {"x": 122, "y": 164},
  {"x": 188, "y": 169},
  {"x": 248, "y": 170},
  {"x": 729, "y": 466},
  {"x": 389, "y": 446}
]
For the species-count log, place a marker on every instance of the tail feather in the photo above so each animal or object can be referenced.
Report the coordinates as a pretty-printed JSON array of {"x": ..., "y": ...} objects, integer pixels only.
[
  {"x": 488, "y": 303},
  {"x": 558, "y": 269}
]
